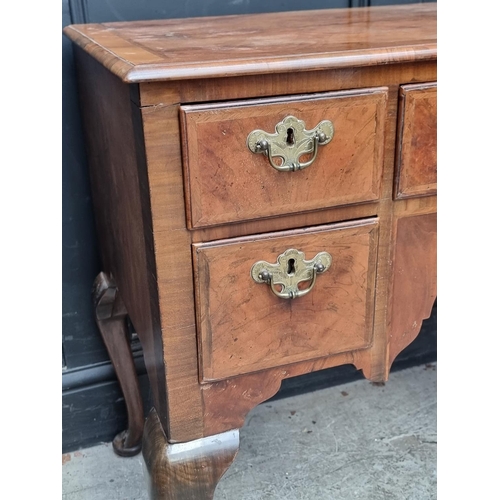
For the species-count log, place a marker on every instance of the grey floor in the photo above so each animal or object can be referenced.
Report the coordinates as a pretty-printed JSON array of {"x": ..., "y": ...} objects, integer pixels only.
[{"x": 353, "y": 441}]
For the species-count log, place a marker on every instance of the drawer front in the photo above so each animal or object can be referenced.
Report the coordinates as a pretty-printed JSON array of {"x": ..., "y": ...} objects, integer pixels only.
[
  {"x": 244, "y": 327},
  {"x": 416, "y": 163},
  {"x": 227, "y": 182}
]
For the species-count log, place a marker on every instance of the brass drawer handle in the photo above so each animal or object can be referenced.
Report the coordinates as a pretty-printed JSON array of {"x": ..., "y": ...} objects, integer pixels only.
[
  {"x": 291, "y": 141},
  {"x": 290, "y": 270}
]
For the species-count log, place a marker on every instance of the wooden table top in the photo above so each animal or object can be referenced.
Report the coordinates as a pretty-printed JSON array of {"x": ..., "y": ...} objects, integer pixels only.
[{"x": 207, "y": 47}]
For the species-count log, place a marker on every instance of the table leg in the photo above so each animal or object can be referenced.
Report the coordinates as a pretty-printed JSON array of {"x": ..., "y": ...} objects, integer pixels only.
[
  {"x": 185, "y": 471},
  {"x": 111, "y": 316}
]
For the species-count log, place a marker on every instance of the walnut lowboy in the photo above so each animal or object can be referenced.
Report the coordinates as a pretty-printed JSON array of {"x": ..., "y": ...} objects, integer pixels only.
[{"x": 260, "y": 216}]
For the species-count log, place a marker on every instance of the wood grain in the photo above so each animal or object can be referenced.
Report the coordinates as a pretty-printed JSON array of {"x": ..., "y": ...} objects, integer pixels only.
[
  {"x": 227, "y": 402},
  {"x": 172, "y": 245},
  {"x": 279, "y": 84},
  {"x": 261, "y": 43},
  {"x": 414, "y": 285},
  {"x": 226, "y": 182},
  {"x": 243, "y": 327},
  {"x": 185, "y": 471},
  {"x": 416, "y": 161}
]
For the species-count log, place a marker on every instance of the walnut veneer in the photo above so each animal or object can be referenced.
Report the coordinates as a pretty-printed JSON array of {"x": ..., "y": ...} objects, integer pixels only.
[{"x": 184, "y": 209}]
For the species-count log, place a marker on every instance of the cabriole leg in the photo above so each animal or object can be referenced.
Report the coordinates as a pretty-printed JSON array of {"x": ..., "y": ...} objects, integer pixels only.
[
  {"x": 185, "y": 471},
  {"x": 111, "y": 316}
]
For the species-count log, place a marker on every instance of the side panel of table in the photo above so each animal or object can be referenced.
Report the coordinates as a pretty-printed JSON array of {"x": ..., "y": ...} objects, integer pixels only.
[{"x": 120, "y": 195}]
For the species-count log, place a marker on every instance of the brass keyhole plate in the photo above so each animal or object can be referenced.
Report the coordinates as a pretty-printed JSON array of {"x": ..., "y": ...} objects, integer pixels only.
[{"x": 291, "y": 269}]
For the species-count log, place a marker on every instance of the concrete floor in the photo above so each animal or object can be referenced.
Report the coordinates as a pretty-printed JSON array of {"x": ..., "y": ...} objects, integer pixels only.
[{"x": 353, "y": 441}]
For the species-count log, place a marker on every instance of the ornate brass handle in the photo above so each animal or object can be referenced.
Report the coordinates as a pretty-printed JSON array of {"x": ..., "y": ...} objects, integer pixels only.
[
  {"x": 290, "y": 141},
  {"x": 290, "y": 270}
]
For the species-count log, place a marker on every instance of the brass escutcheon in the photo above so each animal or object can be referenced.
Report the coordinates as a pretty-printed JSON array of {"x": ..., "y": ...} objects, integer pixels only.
[
  {"x": 291, "y": 141},
  {"x": 291, "y": 269}
]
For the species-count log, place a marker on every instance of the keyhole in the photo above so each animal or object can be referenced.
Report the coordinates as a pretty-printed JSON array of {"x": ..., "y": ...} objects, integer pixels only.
[
  {"x": 290, "y": 138},
  {"x": 291, "y": 267}
]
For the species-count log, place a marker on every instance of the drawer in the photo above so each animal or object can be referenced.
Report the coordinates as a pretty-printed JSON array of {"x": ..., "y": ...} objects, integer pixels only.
[
  {"x": 242, "y": 326},
  {"x": 416, "y": 160},
  {"x": 226, "y": 182}
]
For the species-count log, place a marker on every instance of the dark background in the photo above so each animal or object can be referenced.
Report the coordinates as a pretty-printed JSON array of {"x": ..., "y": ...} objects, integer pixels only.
[{"x": 93, "y": 407}]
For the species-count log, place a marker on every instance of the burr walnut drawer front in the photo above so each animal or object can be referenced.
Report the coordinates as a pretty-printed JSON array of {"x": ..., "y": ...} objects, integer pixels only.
[
  {"x": 261, "y": 158},
  {"x": 279, "y": 298},
  {"x": 416, "y": 161}
]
